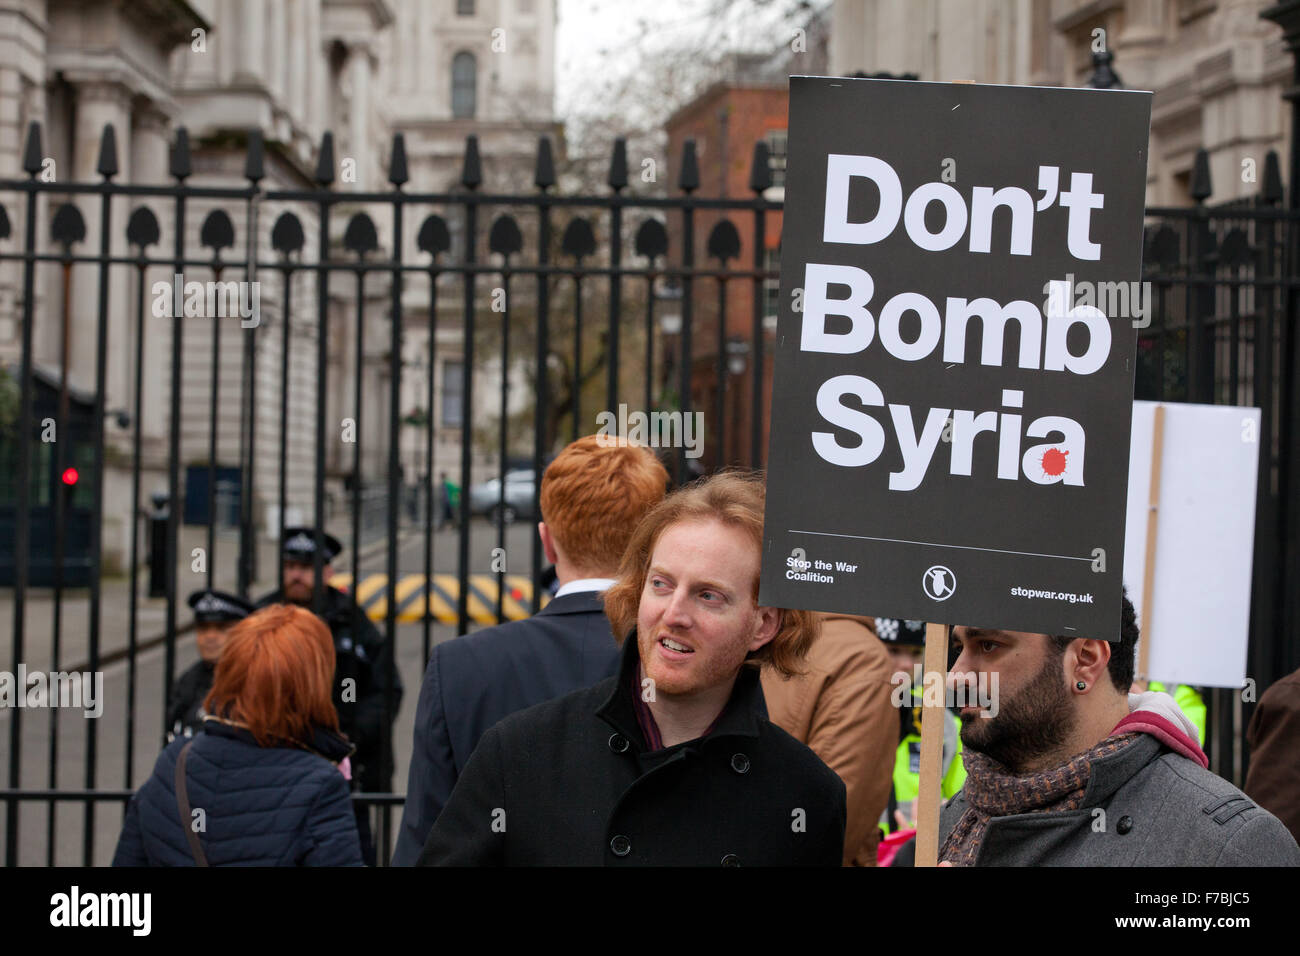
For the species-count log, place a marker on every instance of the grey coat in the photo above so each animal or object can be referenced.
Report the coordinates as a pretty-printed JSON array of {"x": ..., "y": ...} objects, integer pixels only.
[{"x": 1160, "y": 809}]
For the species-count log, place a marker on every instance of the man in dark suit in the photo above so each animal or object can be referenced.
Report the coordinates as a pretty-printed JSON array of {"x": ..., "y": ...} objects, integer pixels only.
[{"x": 592, "y": 497}]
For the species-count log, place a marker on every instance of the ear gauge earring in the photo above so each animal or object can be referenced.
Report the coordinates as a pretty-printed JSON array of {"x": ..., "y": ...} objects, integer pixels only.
[{"x": 1080, "y": 685}]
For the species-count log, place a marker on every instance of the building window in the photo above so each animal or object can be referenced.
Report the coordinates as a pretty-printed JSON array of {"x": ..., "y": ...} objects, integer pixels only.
[
  {"x": 777, "y": 141},
  {"x": 453, "y": 380},
  {"x": 772, "y": 287},
  {"x": 465, "y": 8},
  {"x": 463, "y": 80}
]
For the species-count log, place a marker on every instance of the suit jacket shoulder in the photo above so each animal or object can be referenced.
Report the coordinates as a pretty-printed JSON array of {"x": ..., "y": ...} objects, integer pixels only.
[{"x": 505, "y": 668}]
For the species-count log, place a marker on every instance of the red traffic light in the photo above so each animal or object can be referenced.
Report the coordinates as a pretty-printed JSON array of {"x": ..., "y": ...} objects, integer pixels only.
[{"x": 70, "y": 476}]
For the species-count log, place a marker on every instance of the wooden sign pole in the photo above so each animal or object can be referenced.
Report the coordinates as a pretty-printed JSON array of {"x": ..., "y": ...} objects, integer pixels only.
[
  {"x": 927, "y": 798},
  {"x": 1153, "y": 526}
]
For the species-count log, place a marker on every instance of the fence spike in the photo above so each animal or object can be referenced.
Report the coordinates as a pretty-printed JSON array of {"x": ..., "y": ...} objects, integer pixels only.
[
  {"x": 142, "y": 228},
  {"x": 360, "y": 236},
  {"x": 504, "y": 238},
  {"x": 217, "y": 231},
  {"x": 1271, "y": 187},
  {"x": 651, "y": 239},
  {"x": 1201, "y": 187},
  {"x": 579, "y": 239},
  {"x": 107, "y": 164},
  {"x": 471, "y": 174},
  {"x": 724, "y": 241},
  {"x": 68, "y": 226},
  {"x": 617, "y": 178},
  {"x": 397, "y": 174},
  {"x": 325, "y": 160},
  {"x": 434, "y": 236},
  {"x": 689, "y": 178},
  {"x": 179, "y": 166},
  {"x": 760, "y": 170},
  {"x": 287, "y": 235},
  {"x": 32, "y": 154},
  {"x": 544, "y": 172},
  {"x": 254, "y": 162}
]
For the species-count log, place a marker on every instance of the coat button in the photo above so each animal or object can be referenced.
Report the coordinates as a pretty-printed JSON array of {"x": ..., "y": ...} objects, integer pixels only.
[
  {"x": 618, "y": 743},
  {"x": 731, "y": 860},
  {"x": 740, "y": 763},
  {"x": 1125, "y": 824},
  {"x": 621, "y": 845}
]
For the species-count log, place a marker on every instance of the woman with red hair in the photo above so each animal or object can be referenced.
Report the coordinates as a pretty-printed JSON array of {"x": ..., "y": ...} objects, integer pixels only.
[{"x": 264, "y": 783}]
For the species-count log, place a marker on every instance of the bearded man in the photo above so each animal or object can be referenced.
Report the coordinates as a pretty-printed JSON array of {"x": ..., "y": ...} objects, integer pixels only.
[{"x": 1075, "y": 771}]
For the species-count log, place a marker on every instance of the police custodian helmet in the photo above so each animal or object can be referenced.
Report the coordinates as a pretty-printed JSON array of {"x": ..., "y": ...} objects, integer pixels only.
[
  {"x": 218, "y": 607},
  {"x": 300, "y": 545}
]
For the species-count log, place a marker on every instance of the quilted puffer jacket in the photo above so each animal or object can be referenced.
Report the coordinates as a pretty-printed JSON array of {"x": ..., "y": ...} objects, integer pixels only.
[{"x": 262, "y": 806}]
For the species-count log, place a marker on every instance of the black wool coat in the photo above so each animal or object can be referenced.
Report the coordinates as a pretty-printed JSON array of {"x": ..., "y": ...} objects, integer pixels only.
[
  {"x": 185, "y": 707},
  {"x": 569, "y": 783}
]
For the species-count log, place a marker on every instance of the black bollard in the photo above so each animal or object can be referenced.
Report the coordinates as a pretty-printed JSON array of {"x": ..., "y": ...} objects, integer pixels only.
[{"x": 158, "y": 556}]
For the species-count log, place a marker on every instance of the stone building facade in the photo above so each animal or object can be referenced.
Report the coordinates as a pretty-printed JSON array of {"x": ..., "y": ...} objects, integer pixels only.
[
  {"x": 1217, "y": 70},
  {"x": 435, "y": 70}
]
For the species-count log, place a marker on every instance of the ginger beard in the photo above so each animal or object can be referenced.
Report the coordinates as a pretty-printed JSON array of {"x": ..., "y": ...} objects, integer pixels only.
[
  {"x": 699, "y": 597},
  {"x": 300, "y": 580}
]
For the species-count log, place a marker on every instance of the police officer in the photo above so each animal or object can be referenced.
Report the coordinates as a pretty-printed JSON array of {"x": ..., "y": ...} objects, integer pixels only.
[
  {"x": 361, "y": 666},
  {"x": 215, "y": 612},
  {"x": 906, "y": 643}
]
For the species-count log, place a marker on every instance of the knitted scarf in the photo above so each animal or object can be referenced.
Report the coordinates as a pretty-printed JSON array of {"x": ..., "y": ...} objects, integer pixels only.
[{"x": 994, "y": 791}]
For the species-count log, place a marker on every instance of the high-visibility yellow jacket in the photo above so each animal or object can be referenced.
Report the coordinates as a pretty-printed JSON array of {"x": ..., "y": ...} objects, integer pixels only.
[
  {"x": 907, "y": 762},
  {"x": 1189, "y": 701}
]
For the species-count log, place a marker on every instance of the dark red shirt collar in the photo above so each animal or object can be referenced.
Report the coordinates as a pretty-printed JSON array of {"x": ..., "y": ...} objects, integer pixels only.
[{"x": 645, "y": 717}]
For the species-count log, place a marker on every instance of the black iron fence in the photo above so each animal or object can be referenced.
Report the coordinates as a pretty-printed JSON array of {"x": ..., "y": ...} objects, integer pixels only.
[
  {"x": 1223, "y": 329},
  {"x": 565, "y": 269}
]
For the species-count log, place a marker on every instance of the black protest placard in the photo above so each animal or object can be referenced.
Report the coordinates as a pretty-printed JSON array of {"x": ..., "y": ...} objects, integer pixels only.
[{"x": 960, "y": 298}]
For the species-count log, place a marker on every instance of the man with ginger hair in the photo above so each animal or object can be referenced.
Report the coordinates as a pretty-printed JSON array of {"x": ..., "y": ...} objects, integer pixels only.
[
  {"x": 593, "y": 495},
  {"x": 672, "y": 762}
]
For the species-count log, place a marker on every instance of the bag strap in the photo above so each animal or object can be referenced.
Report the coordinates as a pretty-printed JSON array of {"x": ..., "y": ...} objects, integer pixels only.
[{"x": 183, "y": 804}]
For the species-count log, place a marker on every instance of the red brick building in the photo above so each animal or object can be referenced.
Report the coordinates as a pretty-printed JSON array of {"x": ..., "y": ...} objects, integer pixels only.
[{"x": 726, "y": 121}]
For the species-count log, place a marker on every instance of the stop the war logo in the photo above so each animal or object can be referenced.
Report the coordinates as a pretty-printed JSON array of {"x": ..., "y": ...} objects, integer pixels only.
[{"x": 945, "y": 394}]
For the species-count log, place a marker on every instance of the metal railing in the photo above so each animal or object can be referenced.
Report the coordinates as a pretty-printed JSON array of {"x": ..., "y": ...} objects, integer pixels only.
[{"x": 567, "y": 267}]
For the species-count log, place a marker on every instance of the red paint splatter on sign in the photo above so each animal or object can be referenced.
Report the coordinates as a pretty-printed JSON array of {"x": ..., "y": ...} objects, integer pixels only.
[{"x": 1053, "y": 461}]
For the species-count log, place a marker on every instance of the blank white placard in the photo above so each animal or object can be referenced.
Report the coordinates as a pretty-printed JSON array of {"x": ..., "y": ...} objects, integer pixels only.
[{"x": 1205, "y": 538}]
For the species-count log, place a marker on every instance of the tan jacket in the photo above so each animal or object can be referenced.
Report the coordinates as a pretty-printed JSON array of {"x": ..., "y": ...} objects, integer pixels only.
[{"x": 841, "y": 709}]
